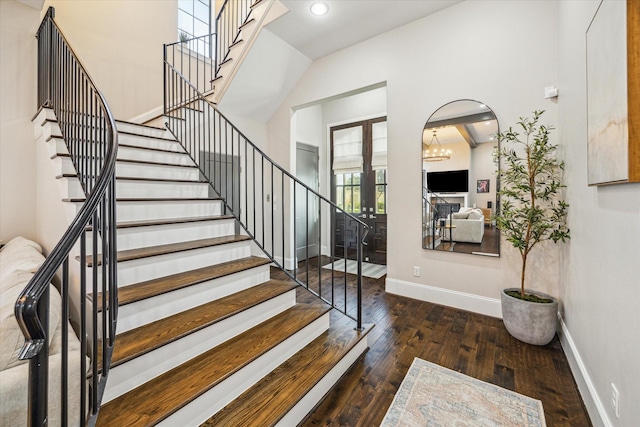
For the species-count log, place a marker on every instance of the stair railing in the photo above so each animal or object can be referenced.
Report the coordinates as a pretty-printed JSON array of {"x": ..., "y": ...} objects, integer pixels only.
[
  {"x": 232, "y": 15},
  {"x": 199, "y": 58},
  {"x": 435, "y": 209},
  {"x": 195, "y": 58},
  {"x": 264, "y": 198},
  {"x": 89, "y": 131}
]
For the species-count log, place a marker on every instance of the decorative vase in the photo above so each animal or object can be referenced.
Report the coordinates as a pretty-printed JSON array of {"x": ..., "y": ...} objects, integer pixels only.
[{"x": 531, "y": 322}]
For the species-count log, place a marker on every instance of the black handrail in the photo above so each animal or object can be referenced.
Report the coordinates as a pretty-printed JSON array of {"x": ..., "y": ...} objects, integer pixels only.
[
  {"x": 89, "y": 131},
  {"x": 221, "y": 152}
]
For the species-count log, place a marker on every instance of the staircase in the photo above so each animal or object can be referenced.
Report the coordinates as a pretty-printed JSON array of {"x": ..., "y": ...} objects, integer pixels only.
[{"x": 204, "y": 336}]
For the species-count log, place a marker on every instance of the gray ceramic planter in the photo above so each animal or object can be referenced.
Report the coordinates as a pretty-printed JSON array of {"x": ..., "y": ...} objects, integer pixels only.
[{"x": 533, "y": 323}]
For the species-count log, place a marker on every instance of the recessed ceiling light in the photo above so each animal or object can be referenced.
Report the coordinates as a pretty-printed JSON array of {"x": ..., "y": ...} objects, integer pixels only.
[{"x": 319, "y": 9}]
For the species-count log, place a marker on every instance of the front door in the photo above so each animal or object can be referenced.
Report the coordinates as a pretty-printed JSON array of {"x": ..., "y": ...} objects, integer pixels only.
[{"x": 359, "y": 186}]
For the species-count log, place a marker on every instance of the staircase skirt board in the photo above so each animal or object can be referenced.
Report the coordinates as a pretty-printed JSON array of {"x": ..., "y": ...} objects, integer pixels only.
[
  {"x": 135, "y": 372},
  {"x": 216, "y": 398},
  {"x": 134, "y": 315}
]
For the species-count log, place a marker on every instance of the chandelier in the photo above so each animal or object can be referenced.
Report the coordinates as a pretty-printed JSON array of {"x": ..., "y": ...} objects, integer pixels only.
[{"x": 434, "y": 152}]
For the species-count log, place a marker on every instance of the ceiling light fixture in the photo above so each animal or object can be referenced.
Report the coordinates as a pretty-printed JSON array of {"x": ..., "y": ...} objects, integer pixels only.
[
  {"x": 435, "y": 152},
  {"x": 319, "y": 9}
]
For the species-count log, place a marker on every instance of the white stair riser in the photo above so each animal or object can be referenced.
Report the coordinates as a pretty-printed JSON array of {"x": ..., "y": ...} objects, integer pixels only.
[
  {"x": 159, "y": 189},
  {"x": 52, "y": 130},
  {"x": 144, "y": 155},
  {"x": 143, "y": 269},
  {"x": 143, "y": 210},
  {"x": 139, "y": 237},
  {"x": 141, "y": 170},
  {"x": 131, "y": 316},
  {"x": 317, "y": 393},
  {"x": 63, "y": 165},
  {"x": 215, "y": 399},
  {"x": 147, "y": 142},
  {"x": 143, "y": 368},
  {"x": 143, "y": 130},
  {"x": 71, "y": 188}
]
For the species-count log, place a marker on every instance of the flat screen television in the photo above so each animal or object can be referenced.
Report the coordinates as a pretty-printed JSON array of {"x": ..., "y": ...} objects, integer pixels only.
[{"x": 448, "y": 181}]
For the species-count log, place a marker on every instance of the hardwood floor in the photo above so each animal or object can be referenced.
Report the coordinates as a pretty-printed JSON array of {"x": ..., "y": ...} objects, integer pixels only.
[{"x": 470, "y": 343}]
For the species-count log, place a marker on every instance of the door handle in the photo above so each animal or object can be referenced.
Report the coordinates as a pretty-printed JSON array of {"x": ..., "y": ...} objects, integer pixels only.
[{"x": 373, "y": 216}]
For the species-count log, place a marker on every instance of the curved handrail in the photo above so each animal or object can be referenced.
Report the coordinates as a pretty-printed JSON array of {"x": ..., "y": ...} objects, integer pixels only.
[{"x": 66, "y": 87}]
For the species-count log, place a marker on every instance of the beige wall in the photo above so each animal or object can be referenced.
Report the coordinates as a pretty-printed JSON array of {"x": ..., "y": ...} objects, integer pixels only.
[
  {"x": 506, "y": 63},
  {"x": 18, "y": 25},
  {"x": 120, "y": 44},
  {"x": 601, "y": 264}
]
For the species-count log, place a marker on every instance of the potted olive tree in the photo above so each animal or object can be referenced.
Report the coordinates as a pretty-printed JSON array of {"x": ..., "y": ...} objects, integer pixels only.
[{"x": 532, "y": 211}]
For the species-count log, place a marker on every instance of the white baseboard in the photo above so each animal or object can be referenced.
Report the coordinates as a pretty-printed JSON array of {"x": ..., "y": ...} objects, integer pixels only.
[
  {"x": 149, "y": 115},
  {"x": 461, "y": 300},
  {"x": 587, "y": 389}
]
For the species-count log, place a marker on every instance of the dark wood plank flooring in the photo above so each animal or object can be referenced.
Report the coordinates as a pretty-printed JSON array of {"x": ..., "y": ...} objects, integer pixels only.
[{"x": 473, "y": 344}]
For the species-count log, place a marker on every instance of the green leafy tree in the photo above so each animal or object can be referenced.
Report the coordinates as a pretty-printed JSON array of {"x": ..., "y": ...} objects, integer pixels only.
[{"x": 531, "y": 182}]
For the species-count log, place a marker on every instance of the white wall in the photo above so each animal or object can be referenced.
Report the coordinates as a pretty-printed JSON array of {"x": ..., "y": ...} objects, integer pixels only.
[
  {"x": 601, "y": 264},
  {"x": 512, "y": 47},
  {"x": 18, "y": 25},
  {"x": 482, "y": 167},
  {"x": 120, "y": 44}
]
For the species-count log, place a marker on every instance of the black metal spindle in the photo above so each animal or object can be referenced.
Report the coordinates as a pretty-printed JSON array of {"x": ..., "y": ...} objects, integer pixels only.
[{"x": 64, "y": 371}]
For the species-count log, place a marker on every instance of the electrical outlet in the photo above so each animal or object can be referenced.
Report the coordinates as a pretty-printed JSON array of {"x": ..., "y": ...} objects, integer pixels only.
[
  {"x": 615, "y": 400},
  {"x": 416, "y": 271}
]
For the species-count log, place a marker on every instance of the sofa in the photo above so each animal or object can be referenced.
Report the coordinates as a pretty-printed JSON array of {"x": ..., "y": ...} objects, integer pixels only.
[
  {"x": 468, "y": 226},
  {"x": 19, "y": 260}
]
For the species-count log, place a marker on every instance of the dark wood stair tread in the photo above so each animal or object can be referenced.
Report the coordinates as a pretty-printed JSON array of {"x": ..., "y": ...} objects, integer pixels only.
[
  {"x": 266, "y": 402},
  {"x": 139, "y": 124},
  {"x": 155, "y": 400},
  {"x": 142, "y": 179},
  {"x": 148, "y": 289},
  {"x": 150, "y": 199},
  {"x": 151, "y": 336},
  {"x": 169, "y": 221},
  {"x": 149, "y": 251}
]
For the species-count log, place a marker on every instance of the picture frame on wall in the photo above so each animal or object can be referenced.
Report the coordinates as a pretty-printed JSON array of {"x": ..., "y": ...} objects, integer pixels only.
[
  {"x": 613, "y": 94},
  {"x": 482, "y": 186}
]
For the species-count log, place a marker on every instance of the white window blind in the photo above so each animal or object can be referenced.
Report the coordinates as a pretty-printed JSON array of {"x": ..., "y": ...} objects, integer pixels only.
[
  {"x": 347, "y": 150},
  {"x": 379, "y": 146}
]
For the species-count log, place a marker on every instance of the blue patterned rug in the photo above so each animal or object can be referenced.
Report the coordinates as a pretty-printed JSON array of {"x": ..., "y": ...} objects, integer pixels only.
[{"x": 433, "y": 396}]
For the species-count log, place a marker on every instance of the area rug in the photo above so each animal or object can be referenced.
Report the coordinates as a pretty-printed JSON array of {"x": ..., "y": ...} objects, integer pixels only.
[
  {"x": 433, "y": 396},
  {"x": 374, "y": 271}
]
